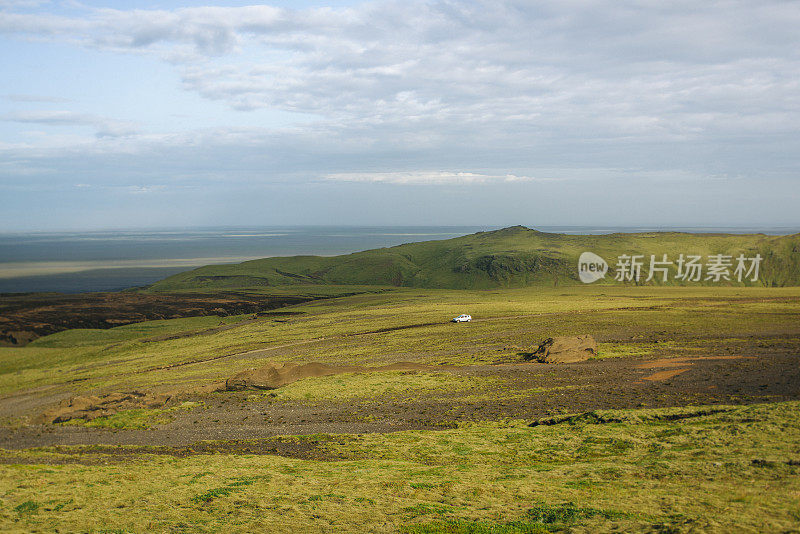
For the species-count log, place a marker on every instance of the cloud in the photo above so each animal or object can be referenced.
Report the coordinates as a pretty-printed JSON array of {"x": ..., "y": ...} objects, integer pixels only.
[
  {"x": 103, "y": 126},
  {"x": 145, "y": 189},
  {"x": 554, "y": 70},
  {"x": 634, "y": 68},
  {"x": 6, "y": 4},
  {"x": 445, "y": 94},
  {"x": 198, "y": 31},
  {"x": 426, "y": 177},
  {"x": 35, "y": 98}
]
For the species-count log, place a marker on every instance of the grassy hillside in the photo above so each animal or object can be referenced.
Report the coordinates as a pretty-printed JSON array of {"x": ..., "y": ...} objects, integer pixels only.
[{"x": 511, "y": 257}]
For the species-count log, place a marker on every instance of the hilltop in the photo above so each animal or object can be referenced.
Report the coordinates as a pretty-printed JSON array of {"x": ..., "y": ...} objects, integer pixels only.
[{"x": 512, "y": 257}]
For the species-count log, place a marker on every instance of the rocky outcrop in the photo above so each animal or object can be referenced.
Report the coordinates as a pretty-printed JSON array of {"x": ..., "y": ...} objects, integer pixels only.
[
  {"x": 567, "y": 349},
  {"x": 14, "y": 338}
]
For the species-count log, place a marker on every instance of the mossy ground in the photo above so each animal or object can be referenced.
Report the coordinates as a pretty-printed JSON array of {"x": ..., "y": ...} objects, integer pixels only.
[
  {"x": 388, "y": 385},
  {"x": 720, "y": 469},
  {"x": 735, "y": 469},
  {"x": 137, "y": 418}
]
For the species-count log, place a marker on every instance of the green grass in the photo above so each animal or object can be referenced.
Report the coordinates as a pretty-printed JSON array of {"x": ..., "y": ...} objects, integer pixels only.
[
  {"x": 624, "y": 350},
  {"x": 125, "y": 419},
  {"x": 382, "y": 386},
  {"x": 135, "y": 419},
  {"x": 722, "y": 471},
  {"x": 235, "y": 485}
]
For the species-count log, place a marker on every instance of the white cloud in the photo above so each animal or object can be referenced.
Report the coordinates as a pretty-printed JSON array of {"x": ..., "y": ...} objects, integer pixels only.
[
  {"x": 593, "y": 69},
  {"x": 8, "y": 4},
  {"x": 103, "y": 126},
  {"x": 494, "y": 92},
  {"x": 145, "y": 189},
  {"x": 614, "y": 68},
  {"x": 35, "y": 98},
  {"x": 426, "y": 177}
]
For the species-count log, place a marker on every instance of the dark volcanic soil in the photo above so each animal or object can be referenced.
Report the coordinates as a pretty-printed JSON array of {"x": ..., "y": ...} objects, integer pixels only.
[{"x": 24, "y": 317}]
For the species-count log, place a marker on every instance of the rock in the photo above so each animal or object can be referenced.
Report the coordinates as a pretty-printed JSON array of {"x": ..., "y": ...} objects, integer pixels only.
[
  {"x": 16, "y": 338},
  {"x": 567, "y": 349}
]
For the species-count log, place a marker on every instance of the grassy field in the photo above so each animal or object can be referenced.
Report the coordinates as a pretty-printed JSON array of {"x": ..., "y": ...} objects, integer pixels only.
[
  {"x": 625, "y": 320},
  {"x": 478, "y": 463},
  {"x": 728, "y": 469}
]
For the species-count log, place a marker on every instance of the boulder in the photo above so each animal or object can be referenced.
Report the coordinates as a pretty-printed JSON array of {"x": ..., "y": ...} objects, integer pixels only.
[
  {"x": 567, "y": 349},
  {"x": 16, "y": 337}
]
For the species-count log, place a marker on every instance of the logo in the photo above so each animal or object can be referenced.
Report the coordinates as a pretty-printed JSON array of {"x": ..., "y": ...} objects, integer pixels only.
[
  {"x": 717, "y": 268},
  {"x": 591, "y": 267}
]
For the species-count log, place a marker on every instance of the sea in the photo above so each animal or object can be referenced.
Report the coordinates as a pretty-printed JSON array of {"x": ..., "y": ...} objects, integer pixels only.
[{"x": 77, "y": 262}]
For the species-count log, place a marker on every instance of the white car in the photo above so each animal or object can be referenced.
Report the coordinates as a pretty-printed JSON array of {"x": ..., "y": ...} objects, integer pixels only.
[{"x": 463, "y": 318}]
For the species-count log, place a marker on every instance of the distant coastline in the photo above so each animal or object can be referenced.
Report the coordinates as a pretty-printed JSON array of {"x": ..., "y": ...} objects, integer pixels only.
[{"x": 77, "y": 262}]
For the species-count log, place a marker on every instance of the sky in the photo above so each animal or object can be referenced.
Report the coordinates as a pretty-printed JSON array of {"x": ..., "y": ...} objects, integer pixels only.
[{"x": 553, "y": 112}]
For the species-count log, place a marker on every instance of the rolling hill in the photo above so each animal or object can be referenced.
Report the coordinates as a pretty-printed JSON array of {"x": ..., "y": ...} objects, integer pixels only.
[{"x": 511, "y": 257}]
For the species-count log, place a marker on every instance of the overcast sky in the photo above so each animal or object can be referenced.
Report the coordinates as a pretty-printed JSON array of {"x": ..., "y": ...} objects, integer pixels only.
[{"x": 562, "y": 112}]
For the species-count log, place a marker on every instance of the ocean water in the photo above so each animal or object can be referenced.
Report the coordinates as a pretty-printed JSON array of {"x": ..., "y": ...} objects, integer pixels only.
[{"x": 74, "y": 262}]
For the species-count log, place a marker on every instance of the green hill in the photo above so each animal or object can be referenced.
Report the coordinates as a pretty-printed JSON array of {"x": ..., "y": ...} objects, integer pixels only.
[{"x": 511, "y": 257}]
